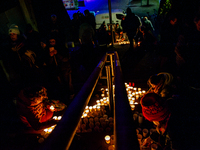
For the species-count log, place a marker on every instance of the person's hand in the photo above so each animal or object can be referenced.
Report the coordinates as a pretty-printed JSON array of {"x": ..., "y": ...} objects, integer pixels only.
[{"x": 17, "y": 47}]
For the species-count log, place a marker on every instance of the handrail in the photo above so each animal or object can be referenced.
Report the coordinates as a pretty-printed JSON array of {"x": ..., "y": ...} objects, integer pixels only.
[
  {"x": 124, "y": 126},
  {"x": 65, "y": 130}
]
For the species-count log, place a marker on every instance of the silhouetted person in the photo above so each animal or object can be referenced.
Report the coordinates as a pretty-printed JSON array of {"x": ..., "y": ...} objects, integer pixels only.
[{"x": 130, "y": 25}]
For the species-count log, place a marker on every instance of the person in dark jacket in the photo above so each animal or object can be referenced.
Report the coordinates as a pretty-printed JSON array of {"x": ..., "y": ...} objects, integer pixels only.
[{"x": 175, "y": 121}]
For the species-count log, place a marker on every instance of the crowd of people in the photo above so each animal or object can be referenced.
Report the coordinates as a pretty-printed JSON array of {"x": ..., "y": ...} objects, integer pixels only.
[{"x": 34, "y": 63}]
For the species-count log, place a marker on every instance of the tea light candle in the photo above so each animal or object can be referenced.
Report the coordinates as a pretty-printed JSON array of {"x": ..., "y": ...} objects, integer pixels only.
[
  {"x": 139, "y": 89},
  {"x": 86, "y": 107},
  {"x": 98, "y": 108},
  {"x": 131, "y": 102},
  {"x": 135, "y": 89},
  {"x": 94, "y": 107},
  {"x": 107, "y": 139},
  {"x": 136, "y": 93},
  {"x": 102, "y": 90},
  {"x": 59, "y": 117},
  {"x": 84, "y": 115},
  {"x": 98, "y": 101},
  {"x": 49, "y": 130},
  {"x": 86, "y": 111},
  {"x": 52, "y": 108},
  {"x": 90, "y": 108},
  {"x": 143, "y": 91},
  {"x": 55, "y": 117},
  {"x": 45, "y": 130},
  {"x": 106, "y": 89}
]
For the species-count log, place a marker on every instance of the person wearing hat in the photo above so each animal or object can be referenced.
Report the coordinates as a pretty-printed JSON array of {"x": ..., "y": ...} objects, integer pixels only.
[
  {"x": 12, "y": 53},
  {"x": 172, "y": 120}
]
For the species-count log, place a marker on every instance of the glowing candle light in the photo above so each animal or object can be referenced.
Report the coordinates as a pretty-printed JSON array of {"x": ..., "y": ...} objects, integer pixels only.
[
  {"x": 107, "y": 139},
  {"x": 135, "y": 89},
  {"x": 90, "y": 108},
  {"x": 59, "y": 117},
  {"x": 131, "y": 102},
  {"x": 46, "y": 130},
  {"x": 143, "y": 91},
  {"x": 94, "y": 107},
  {"x": 106, "y": 89},
  {"x": 84, "y": 115},
  {"x": 86, "y": 107},
  {"x": 49, "y": 130},
  {"x": 139, "y": 89},
  {"x": 52, "y": 108},
  {"x": 98, "y": 101},
  {"x": 55, "y": 117},
  {"x": 136, "y": 103},
  {"x": 136, "y": 93},
  {"x": 98, "y": 108},
  {"x": 102, "y": 95},
  {"x": 87, "y": 111}
]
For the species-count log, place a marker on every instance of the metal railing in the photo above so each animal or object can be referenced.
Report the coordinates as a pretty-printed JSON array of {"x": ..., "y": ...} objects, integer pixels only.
[{"x": 124, "y": 128}]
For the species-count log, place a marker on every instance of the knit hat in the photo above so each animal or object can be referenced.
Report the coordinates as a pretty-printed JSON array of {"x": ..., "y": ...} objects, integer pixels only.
[
  {"x": 14, "y": 29},
  {"x": 153, "y": 107}
]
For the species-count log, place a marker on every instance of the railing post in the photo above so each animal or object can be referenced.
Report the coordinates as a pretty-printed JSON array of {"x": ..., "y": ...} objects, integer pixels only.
[
  {"x": 111, "y": 63},
  {"x": 110, "y": 91}
]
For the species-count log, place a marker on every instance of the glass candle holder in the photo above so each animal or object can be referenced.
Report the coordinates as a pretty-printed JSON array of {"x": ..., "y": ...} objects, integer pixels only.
[{"x": 107, "y": 139}]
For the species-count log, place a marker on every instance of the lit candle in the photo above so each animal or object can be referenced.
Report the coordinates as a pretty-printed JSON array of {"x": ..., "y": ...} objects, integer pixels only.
[
  {"x": 136, "y": 103},
  {"x": 59, "y": 117},
  {"x": 49, "y": 130},
  {"x": 98, "y": 108},
  {"x": 107, "y": 139},
  {"x": 52, "y": 108},
  {"x": 140, "y": 92},
  {"x": 90, "y": 108},
  {"x": 46, "y": 130},
  {"x": 135, "y": 89},
  {"x": 94, "y": 107},
  {"x": 139, "y": 89},
  {"x": 86, "y": 107},
  {"x": 106, "y": 89},
  {"x": 87, "y": 111},
  {"x": 131, "y": 102},
  {"x": 143, "y": 91},
  {"x": 55, "y": 117},
  {"x": 102, "y": 95},
  {"x": 98, "y": 101},
  {"x": 84, "y": 115}
]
